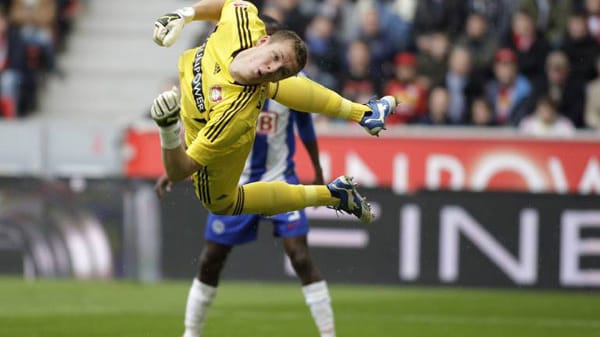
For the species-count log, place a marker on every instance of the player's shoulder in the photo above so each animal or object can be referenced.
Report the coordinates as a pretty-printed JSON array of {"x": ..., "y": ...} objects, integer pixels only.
[
  {"x": 301, "y": 73},
  {"x": 233, "y": 5},
  {"x": 239, "y": 3}
]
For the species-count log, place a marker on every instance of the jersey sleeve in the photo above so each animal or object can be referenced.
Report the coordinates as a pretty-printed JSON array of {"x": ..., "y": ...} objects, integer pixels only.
[{"x": 240, "y": 24}]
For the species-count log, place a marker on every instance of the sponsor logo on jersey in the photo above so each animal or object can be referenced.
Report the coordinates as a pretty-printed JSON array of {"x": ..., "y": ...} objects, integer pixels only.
[
  {"x": 197, "y": 81},
  {"x": 216, "y": 93},
  {"x": 267, "y": 122}
]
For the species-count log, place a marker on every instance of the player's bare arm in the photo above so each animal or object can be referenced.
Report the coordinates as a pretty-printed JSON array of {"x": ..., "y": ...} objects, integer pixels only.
[
  {"x": 313, "y": 152},
  {"x": 168, "y": 27},
  {"x": 306, "y": 131}
]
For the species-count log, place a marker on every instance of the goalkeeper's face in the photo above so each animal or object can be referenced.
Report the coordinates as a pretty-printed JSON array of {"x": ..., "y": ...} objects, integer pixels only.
[{"x": 266, "y": 62}]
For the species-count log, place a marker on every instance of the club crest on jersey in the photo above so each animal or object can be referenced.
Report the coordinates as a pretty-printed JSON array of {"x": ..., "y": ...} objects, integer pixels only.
[
  {"x": 216, "y": 94},
  {"x": 218, "y": 227}
]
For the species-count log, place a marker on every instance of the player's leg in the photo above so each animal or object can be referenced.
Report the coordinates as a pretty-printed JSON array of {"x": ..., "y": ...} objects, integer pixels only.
[
  {"x": 277, "y": 197},
  {"x": 296, "y": 248},
  {"x": 204, "y": 287},
  {"x": 293, "y": 228},
  {"x": 221, "y": 233},
  {"x": 303, "y": 94},
  {"x": 223, "y": 162},
  {"x": 217, "y": 187},
  {"x": 314, "y": 288}
]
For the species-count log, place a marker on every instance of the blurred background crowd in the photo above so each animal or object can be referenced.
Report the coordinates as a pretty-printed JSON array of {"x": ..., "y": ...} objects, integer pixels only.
[
  {"x": 528, "y": 64},
  {"x": 531, "y": 64},
  {"x": 32, "y": 35}
]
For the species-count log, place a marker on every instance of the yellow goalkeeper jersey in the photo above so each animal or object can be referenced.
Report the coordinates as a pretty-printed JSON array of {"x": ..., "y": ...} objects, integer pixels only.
[{"x": 219, "y": 115}]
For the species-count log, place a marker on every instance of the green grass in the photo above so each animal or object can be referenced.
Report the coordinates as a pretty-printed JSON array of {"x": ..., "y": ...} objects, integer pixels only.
[{"x": 122, "y": 309}]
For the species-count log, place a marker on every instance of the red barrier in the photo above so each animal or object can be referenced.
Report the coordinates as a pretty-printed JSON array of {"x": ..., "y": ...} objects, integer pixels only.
[
  {"x": 454, "y": 163},
  {"x": 143, "y": 149},
  {"x": 433, "y": 162}
]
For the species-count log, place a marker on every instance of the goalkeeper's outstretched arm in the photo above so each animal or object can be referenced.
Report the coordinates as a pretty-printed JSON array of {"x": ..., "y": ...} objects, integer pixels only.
[
  {"x": 209, "y": 10},
  {"x": 168, "y": 26}
]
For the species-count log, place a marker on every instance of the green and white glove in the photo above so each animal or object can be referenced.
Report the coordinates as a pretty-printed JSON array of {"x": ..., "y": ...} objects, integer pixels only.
[
  {"x": 168, "y": 26},
  {"x": 165, "y": 113}
]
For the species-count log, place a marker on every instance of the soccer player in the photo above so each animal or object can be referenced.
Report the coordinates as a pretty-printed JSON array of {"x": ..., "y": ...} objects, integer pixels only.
[
  {"x": 224, "y": 85},
  {"x": 271, "y": 159}
]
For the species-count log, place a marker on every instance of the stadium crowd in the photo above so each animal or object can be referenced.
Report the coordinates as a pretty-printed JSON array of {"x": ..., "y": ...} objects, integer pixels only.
[
  {"x": 531, "y": 64},
  {"x": 32, "y": 35}
]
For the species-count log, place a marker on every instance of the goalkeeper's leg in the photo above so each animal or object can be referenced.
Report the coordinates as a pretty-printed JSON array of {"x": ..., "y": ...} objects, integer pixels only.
[
  {"x": 216, "y": 186},
  {"x": 302, "y": 94}
]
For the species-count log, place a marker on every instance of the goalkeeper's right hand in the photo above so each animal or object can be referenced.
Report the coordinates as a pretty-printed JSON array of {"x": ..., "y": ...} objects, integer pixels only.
[
  {"x": 165, "y": 109},
  {"x": 168, "y": 26}
]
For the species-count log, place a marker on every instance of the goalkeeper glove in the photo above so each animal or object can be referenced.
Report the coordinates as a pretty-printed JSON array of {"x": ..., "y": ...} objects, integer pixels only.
[
  {"x": 165, "y": 112},
  {"x": 165, "y": 109},
  {"x": 168, "y": 26}
]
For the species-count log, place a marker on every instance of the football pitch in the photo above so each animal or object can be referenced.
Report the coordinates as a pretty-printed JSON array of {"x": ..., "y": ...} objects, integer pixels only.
[{"x": 127, "y": 309}]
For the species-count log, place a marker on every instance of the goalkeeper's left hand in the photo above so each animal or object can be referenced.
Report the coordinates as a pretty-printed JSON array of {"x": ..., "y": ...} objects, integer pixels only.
[{"x": 168, "y": 26}]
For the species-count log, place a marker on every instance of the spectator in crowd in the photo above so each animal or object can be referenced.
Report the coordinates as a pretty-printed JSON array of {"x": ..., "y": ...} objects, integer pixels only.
[
  {"x": 565, "y": 91},
  {"x": 357, "y": 81},
  {"x": 550, "y": 17},
  {"x": 66, "y": 14},
  {"x": 322, "y": 77},
  {"x": 405, "y": 9},
  {"x": 432, "y": 61},
  {"x": 480, "y": 43},
  {"x": 439, "y": 15},
  {"x": 497, "y": 13},
  {"x": 529, "y": 44},
  {"x": 410, "y": 94},
  {"x": 592, "y": 100},
  {"x": 546, "y": 121},
  {"x": 439, "y": 102},
  {"x": 323, "y": 45},
  {"x": 9, "y": 78},
  {"x": 31, "y": 34},
  {"x": 592, "y": 9},
  {"x": 33, "y": 53},
  {"x": 482, "y": 114},
  {"x": 510, "y": 92},
  {"x": 341, "y": 13},
  {"x": 398, "y": 26},
  {"x": 295, "y": 17},
  {"x": 581, "y": 48},
  {"x": 271, "y": 11},
  {"x": 381, "y": 46},
  {"x": 461, "y": 84}
]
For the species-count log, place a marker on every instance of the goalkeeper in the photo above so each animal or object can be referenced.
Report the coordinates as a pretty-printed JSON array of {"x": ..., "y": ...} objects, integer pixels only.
[
  {"x": 224, "y": 85},
  {"x": 271, "y": 159}
]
